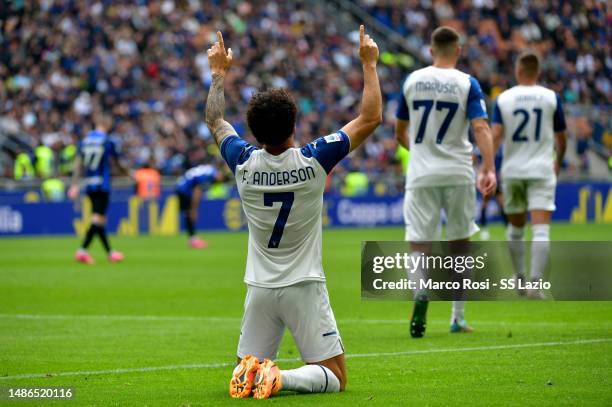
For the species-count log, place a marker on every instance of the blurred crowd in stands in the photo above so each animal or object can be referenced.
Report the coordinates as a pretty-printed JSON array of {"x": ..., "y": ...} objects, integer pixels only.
[
  {"x": 144, "y": 62},
  {"x": 574, "y": 39}
]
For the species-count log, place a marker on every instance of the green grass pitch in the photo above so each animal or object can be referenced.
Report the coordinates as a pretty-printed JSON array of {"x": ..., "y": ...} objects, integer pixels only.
[{"x": 161, "y": 329}]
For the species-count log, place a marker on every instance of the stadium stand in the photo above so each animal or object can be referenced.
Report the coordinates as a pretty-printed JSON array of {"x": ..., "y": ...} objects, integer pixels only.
[{"x": 144, "y": 61}]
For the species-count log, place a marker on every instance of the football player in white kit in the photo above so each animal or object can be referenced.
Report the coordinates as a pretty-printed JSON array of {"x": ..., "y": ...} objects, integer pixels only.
[
  {"x": 528, "y": 119},
  {"x": 281, "y": 188},
  {"x": 437, "y": 105}
]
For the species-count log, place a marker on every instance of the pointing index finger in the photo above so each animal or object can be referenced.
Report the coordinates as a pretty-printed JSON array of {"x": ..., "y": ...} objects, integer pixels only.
[
  {"x": 220, "y": 40},
  {"x": 361, "y": 34}
]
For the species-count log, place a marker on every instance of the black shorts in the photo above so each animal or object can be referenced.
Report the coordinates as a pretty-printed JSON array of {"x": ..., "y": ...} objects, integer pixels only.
[
  {"x": 99, "y": 201},
  {"x": 184, "y": 202}
]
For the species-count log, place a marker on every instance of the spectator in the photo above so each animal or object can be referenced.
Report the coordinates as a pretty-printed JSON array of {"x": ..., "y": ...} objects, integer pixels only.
[
  {"x": 53, "y": 190},
  {"x": 148, "y": 181},
  {"x": 23, "y": 168},
  {"x": 574, "y": 39},
  {"x": 144, "y": 63}
]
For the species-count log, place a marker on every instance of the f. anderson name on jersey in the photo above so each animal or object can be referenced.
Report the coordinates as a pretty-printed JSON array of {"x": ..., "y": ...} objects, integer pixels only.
[{"x": 278, "y": 177}]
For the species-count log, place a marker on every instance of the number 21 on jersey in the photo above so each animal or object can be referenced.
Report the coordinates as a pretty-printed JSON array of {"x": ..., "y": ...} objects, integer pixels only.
[{"x": 518, "y": 136}]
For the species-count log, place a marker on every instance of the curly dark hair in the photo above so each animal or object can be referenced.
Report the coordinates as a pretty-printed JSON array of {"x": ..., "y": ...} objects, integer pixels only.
[{"x": 271, "y": 116}]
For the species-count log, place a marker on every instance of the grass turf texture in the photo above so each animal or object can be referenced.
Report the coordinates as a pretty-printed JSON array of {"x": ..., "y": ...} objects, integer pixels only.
[{"x": 171, "y": 307}]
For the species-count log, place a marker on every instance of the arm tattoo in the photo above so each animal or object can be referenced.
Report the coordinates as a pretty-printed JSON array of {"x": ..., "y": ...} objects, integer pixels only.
[{"x": 215, "y": 106}]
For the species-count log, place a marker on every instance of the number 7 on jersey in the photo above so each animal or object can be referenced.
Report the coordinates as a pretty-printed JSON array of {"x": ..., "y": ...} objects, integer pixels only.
[{"x": 286, "y": 199}]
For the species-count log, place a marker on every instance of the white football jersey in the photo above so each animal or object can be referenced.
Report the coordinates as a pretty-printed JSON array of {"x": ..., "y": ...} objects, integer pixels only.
[
  {"x": 282, "y": 198},
  {"x": 530, "y": 115},
  {"x": 439, "y": 104}
]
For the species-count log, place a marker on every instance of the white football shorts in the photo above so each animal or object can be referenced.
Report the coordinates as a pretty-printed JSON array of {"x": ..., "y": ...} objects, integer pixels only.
[
  {"x": 422, "y": 208},
  {"x": 522, "y": 195},
  {"x": 304, "y": 308}
]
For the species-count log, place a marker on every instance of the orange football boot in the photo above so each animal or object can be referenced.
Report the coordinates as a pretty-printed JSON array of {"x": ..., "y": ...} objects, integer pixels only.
[
  {"x": 267, "y": 380},
  {"x": 243, "y": 378}
]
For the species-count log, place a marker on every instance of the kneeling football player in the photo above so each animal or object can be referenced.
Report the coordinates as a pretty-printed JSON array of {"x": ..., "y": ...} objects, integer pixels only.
[{"x": 281, "y": 188}]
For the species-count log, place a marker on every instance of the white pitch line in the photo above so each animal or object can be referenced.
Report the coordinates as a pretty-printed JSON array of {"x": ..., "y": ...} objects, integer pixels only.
[
  {"x": 480, "y": 348},
  {"x": 237, "y": 319},
  {"x": 350, "y": 356},
  {"x": 120, "y": 317}
]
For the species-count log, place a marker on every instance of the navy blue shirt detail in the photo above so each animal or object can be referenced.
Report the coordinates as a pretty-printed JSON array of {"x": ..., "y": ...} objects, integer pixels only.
[
  {"x": 235, "y": 151},
  {"x": 402, "y": 112},
  {"x": 475, "y": 102},
  {"x": 559, "y": 118},
  {"x": 496, "y": 117},
  {"x": 328, "y": 150},
  {"x": 200, "y": 175}
]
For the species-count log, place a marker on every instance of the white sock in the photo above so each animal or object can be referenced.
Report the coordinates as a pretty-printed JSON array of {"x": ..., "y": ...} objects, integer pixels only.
[
  {"x": 540, "y": 250},
  {"x": 458, "y": 311},
  {"x": 516, "y": 245},
  {"x": 417, "y": 277},
  {"x": 310, "y": 379}
]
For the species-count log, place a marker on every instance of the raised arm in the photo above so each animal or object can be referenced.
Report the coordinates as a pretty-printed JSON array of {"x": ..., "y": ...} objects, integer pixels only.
[
  {"x": 370, "y": 114},
  {"x": 487, "y": 181},
  {"x": 219, "y": 61}
]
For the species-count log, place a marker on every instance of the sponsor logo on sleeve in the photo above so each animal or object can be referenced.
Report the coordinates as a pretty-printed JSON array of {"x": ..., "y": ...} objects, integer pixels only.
[{"x": 333, "y": 138}]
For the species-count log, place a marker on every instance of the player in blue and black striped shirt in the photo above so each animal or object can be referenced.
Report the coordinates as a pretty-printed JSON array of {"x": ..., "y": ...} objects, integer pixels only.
[{"x": 95, "y": 153}]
